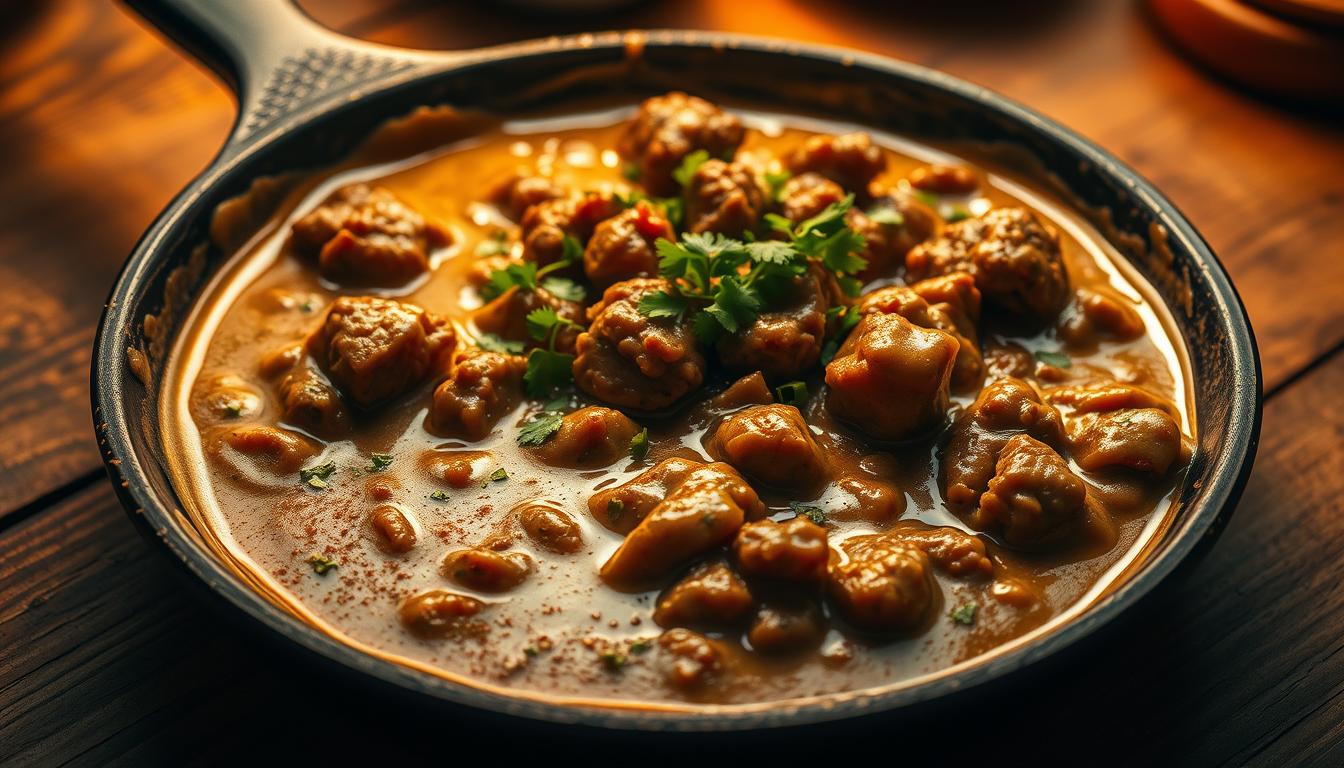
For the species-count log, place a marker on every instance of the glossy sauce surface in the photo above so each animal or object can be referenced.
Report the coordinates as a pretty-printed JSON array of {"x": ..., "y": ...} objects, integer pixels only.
[{"x": 564, "y": 632}]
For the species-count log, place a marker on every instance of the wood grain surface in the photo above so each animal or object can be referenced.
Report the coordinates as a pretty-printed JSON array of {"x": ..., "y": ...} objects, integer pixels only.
[{"x": 105, "y": 656}]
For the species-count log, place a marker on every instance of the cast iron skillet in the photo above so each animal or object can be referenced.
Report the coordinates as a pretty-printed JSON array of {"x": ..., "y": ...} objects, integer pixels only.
[{"x": 307, "y": 96}]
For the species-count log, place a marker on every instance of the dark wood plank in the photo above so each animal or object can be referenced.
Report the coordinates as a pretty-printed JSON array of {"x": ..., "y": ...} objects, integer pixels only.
[
  {"x": 101, "y": 123},
  {"x": 107, "y": 658}
]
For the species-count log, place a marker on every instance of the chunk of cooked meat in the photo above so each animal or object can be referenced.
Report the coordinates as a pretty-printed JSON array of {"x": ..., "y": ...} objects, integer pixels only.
[
  {"x": 482, "y": 388},
  {"x": 550, "y": 527},
  {"x": 882, "y": 586},
  {"x": 892, "y": 225},
  {"x": 751, "y": 389},
  {"x": 690, "y": 659},
  {"x": 942, "y": 179},
  {"x": 365, "y": 235},
  {"x": 890, "y": 379},
  {"x": 589, "y": 437},
  {"x": 956, "y": 294},
  {"x": 807, "y": 194},
  {"x": 1098, "y": 314},
  {"x": 951, "y": 550},
  {"x": 308, "y": 400},
  {"x": 258, "y": 454},
  {"x": 393, "y": 528},
  {"x": 771, "y": 444},
  {"x": 859, "y": 497},
  {"x": 622, "y": 247},
  {"x": 723, "y": 197},
  {"x": 709, "y": 596},
  {"x": 486, "y": 570},
  {"x": 506, "y": 317},
  {"x": 787, "y": 627},
  {"x": 514, "y": 195},
  {"x": 455, "y": 468},
  {"x": 704, "y": 511},
  {"x": 1141, "y": 439},
  {"x": 1014, "y": 258},
  {"x": 630, "y": 360},
  {"x": 545, "y": 225},
  {"x": 785, "y": 341},
  {"x": 794, "y": 550},
  {"x": 376, "y": 349},
  {"x": 437, "y": 613},
  {"x": 622, "y": 507},
  {"x": 1034, "y": 499},
  {"x": 1008, "y": 359},
  {"x": 968, "y": 371},
  {"x": 1005, "y": 408},
  {"x": 667, "y": 128},
  {"x": 1108, "y": 396},
  {"x": 225, "y": 396},
  {"x": 850, "y": 160}
]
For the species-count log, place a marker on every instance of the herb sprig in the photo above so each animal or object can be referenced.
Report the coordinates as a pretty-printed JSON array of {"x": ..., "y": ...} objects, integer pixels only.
[{"x": 547, "y": 370}]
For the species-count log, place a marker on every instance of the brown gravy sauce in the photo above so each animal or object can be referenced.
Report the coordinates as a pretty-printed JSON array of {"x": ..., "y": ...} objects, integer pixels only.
[{"x": 266, "y": 529}]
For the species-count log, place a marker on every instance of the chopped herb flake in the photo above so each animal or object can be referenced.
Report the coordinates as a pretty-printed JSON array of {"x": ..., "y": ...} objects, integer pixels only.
[
  {"x": 496, "y": 245},
  {"x": 321, "y": 563},
  {"x": 314, "y": 476},
  {"x": 927, "y": 198},
  {"x": 631, "y": 172},
  {"x": 522, "y": 276},
  {"x": 234, "y": 410},
  {"x": 957, "y": 213},
  {"x": 612, "y": 660},
  {"x": 438, "y": 496},
  {"x": 379, "y": 461},
  {"x": 615, "y": 508},
  {"x": 689, "y": 165},
  {"x": 531, "y": 651},
  {"x": 889, "y": 217},
  {"x": 540, "y": 428},
  {"x": 498, "y": 475},
  {"x": 547, "y": 371},
  {"x": 493, "y": 342},
  {"x": 814, "y": 513},
  {"x": 964, "y": 614},
  {"x": 639, "y": 445},
  {"x": 794, "y": 393},
  {"x": 776, "y": 181},
  {"x": 640, "y": 646},
  {"x": 1057, "y": 359}
]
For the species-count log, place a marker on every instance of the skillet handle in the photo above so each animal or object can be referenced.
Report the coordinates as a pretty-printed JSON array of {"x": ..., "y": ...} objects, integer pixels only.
[{"x": 273, "y": 56}]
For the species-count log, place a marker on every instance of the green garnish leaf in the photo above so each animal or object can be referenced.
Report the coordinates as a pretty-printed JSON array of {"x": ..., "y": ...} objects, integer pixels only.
[
  {"x": 571, "y": 251},
  {"x": 492, "y": 342},
  {"x": 564, "y": 288},
  {"x": 547, "y": 371},
  {"x": 639, "y": 445},
  {"x": 776, "y": 181},
  {"x": 811, "y": 512},
  {"x": 438, "y": 496},
  {"x": 379, "y": 461},
  {"x": 531, "y": 651},
  {"x": 321, "y": 563},
  {"x": 1057, "y": 359},
  {"x": 957, "y": 213},
  {"x": 540, "y": 428},
  {"x": 964, "y": 614},
  {"x": 545, "y": 321},
  {"x": 499, "y": 475},
  {"x": 689, "y": 165},
  {"x": 612, "y": 660},
  {"x": 772, "y": 252},
  {"x": 631, "y": 172},
  {"x": 496, "y": 245},
  {"x": 314, "y": 476},
  {"x": 522, "y": 275},
  {"x": 234, "y": 410},
  {"x": 663, "y": 304},
  {"x": 640, "y": 645},
  {"x": 794, "y": 393},
  {"x": 927, "y": 198},
  {"x": 889, "y": 217}
]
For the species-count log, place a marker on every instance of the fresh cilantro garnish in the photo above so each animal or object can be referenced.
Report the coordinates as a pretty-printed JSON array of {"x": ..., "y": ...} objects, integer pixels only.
[
  {"x": 543, "y": 323},
  {"x": 689, "y": 165},
  {"x": 964, "y": 614},
  {"x": 612, "y": 660},
  {"x": 927, "y": 198},
  {"x": 499, "y": 475},
  {"x": 438, "y": 496},
  {"x": 547, "y": 370},
  {"x": 540, "y": 428},
  {"x": 631, "y": 172},
  {"x": 496, "y": 245},
  {"x": 814, "y": 513},
  {"x": 321, "y": 563},
  {"x": 663, "y": 304},
  {"x": 794, "y": 393},
  {"x": 776, "y": 180},
  {"x": 639, "y": 445},
  {"x": 492, "y": 342},
  {"x": 314, "y": 477},
  {"x": 524, "y": 275},
  {"x": 887, "y": 217},
  {"x": 1057, "y": 359},
  {"x": 640, "y": 645},
  {"x": 531, "y": 651},
  {"x": 379, "y": 461},
  {"x": 571, "y": 252},
  {"x": 564, "y": 288}
]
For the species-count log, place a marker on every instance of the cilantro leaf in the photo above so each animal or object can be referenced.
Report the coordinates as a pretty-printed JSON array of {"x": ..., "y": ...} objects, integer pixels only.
[
  {"x": 663, "y": 304},
  {"x": 639, "y": 445},
  {"x": 1057, "y": 359},
  {"x": 571, "y": 251},
  {"x": 564, "y": 288},
  {"x": 522, "y": 275},
  {"x": 315, "y": 476},
  {"x": 543, "y": 322},
  {"x": 379, "y": 461},
  {"x": 735, "y": 305},
  {"x": 492, "y": 342},
  {"x": 957, "y": 213},
  {"x": 689, "y": 165},
  {"x": 438, "y": 496},
  {"x": 885, "y": 216},
  {"x": 547, "y": 371},
  {"x": 631, "y": 172},
  {"x": 772, "y": 252},
  {"x": 540, "y": 428},
  {"x": 811, "y": 512},
  {"x": 495, "y": 245},
  {"x": 964, "y": 614},
  {"x": 776, "y": 181}
]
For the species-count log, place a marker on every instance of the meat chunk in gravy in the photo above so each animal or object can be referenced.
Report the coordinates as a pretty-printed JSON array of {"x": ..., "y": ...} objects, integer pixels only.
[
  {"x": 723, "y": 197},
  {"x": 771, "y": 444},
  {"x": 589, "y": 437},
  {"x": 309, "y": 401},
  {"x": 546, "y": 225},
  {"x": 969, "y": 368},
  {"x": 891, "y": 378},
  {"x": 517, "y": 193},
  {"x": 667, "y": 128},
  {"x": 893, "y": 224},
  {"x": 506, "y": 317},
  {"x": 1121, "y": 426},
  {"x": 787, "y": 627},
  {"x": 1005, "y": 408},
  {"x": 850, "y": 160},
  {"x": 711, "y": 595},
  {"x": 790, "y": 551},
  {"x": 1034, "y": 499},
  {"x": 882, "y": 586},
  {"x": 1014, "y": 258},
  {"x": 702, "y": 512},
  {"x": 366, "y": 235},
  {"x": 624, "y": 506},
  {"x": 482, "y": 388},
  {"x": 622, "y": 246},
  {"x": 786, "y": 341},
  {"x": 376, "y": 349},
  {"x": 634, "y": 361}
]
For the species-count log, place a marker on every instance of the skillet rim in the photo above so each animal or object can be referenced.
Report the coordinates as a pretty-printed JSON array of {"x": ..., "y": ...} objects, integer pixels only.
[{"x": 1191, "y": 535}]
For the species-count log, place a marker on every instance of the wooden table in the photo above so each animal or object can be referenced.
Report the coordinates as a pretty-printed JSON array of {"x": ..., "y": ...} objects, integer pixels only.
[{"x": 104, "y": 656}]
